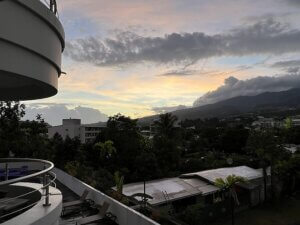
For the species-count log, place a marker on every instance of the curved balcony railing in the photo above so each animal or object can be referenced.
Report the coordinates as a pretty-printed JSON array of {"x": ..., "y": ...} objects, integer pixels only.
[
  {"x": 52, "y": 5},
  {"x": 47, "y": 176}
]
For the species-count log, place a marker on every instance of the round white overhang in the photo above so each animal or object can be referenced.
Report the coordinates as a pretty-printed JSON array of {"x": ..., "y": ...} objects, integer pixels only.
[{"x": 31, "y": 45}]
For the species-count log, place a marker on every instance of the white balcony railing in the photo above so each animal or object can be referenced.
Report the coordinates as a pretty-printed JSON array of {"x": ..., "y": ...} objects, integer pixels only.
[
  {"x": 51, "y": 4},
  {"x": 46, "y": 176}
]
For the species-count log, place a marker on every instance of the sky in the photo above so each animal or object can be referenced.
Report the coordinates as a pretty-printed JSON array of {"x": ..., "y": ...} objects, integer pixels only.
[{"x": 142, "y": 57}]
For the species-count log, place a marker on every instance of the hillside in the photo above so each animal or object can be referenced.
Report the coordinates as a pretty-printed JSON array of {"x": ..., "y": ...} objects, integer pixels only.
[{"x": 267, "y": 101}]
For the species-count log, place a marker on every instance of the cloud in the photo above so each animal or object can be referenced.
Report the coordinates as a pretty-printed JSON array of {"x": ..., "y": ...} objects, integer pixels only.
[
  {"x": 290, "y": 66},
  {"x": 181, "y": 73},
  {"x": 264, "y": 37},
  {"x": 294, "y": 2},
  {"x": 234, "y": 87},
  {"x": 293, "y": 70},
  {"x": 201, "y": 72},
  {"x": 290, "y": 63},
  {"x": 54, "y": 113},
  {"x": 166, "y": 109}
]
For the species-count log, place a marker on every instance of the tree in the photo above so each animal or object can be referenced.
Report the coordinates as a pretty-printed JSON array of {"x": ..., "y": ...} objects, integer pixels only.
[
  {"x": 266, "y": 147},
  {"x": 57, "y": 144},
  {"x": 229, "y": 185},
  {"x": 11, "y": 135},
  {"x": 288, "y": 123},
  {"x": 233, "y": 140},
  {"x": 168, "y": 153},
  {"x": 288, "y": 172},
  {"x": 167, "y": 144},
  {"x": 119, "y": 181},
  {"x": 36, "y": 139},
  {"x": 124, "y": 134},
  {"x": 165, "y": 124},
  {"x": 146, "y": 169},
  {"x": 105, "y": 149}
]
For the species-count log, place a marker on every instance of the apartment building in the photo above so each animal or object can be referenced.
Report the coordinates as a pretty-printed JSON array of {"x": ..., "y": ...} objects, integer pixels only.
[{"x": 73, "y": 128}]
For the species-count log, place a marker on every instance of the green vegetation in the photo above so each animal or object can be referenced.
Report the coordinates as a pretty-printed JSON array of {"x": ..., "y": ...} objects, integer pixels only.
[
  {"x": 193, "y": 146},
  {"x": 199, "y": 214},
  {"x": 285, "y": 213},
  {"x": 228, "y": 185}
]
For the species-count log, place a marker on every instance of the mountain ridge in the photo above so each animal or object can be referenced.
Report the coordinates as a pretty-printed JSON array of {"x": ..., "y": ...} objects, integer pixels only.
[{"x": 238, "y": 105}]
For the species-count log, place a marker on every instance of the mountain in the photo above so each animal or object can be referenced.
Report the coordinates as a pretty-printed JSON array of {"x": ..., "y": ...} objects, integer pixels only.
[{"x": 267, "y": 101}]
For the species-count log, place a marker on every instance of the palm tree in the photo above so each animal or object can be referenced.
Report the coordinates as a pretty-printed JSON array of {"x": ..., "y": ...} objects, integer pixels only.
[
  {"x": 106, "y": 149},
  {"x": 266, "y": 147},
  {"x": 229, "y": 185},
  {"x": 165, "y": 124},
  {"x": 264, "y": 157},
  {"x": 119, "y": 180}
]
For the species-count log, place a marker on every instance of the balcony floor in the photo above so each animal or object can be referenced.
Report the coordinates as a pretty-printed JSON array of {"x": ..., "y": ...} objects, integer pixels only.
[{"x": 73, "y": 216}]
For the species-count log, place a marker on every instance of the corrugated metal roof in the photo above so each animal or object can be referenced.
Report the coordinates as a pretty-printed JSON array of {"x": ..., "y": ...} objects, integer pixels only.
[
  {"x": 170, "y": 189},
  {"x": 212, "y": 175},
  {"x": 188, "y": 185},
  {"x": 204, "y": 187},
  {"x": 162, "y": 190}
]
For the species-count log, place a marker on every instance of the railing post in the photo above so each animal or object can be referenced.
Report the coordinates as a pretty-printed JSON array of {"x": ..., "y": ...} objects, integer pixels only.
[
  {"x": 6, "y": 171},
  {"x": 47, "y": 202},
  {"x": 44, "y": 176}
]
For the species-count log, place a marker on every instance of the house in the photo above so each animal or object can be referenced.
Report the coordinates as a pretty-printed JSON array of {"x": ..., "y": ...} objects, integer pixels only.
[
  {"x": 178, "y": 192},
  {"x": 252, "y": 192}
]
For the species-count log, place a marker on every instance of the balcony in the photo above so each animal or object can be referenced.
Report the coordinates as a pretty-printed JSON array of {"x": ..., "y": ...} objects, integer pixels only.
[
  {"x": 31, "y": 43},
  {"x": 28, "y": 196},
  {"x": 32, "y": 192}
]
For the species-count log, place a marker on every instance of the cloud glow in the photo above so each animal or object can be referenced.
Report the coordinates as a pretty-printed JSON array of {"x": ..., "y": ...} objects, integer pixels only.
[{"x": 138, "y": 57}]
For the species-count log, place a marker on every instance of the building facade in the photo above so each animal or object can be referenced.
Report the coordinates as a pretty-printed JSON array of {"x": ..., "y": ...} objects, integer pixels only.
[{"x": 73, "y": 128}]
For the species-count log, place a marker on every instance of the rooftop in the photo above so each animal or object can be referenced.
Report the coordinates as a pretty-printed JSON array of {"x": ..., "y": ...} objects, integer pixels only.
[
  {"x": 170, "y": 189},
  {"x": 188, "y": 185},
  {"x": 212, "y": 175},
  {"x": 162, "y": 190}
]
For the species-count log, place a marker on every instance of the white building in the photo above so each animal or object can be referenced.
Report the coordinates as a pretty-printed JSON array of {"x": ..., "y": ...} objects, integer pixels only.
[
  {"x": 89, "y": 132},
  {"x": 295, "y": 122},
  {"x": 265, "y": 123},
  {"x": 292, "y": 148},
  {"x": 73, "y": 128}
]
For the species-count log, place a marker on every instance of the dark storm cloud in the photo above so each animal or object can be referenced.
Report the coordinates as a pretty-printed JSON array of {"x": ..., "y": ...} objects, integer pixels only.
[
  {"x": 291, "y": 66},
  {"x": 293, "y": 70},
  {"x": 290, "y": 63},
  {"x": 234, "y": 87},
  {"x": 264, "y": 37}
]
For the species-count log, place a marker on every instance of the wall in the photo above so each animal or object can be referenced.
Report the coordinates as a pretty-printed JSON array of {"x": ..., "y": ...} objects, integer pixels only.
[
  {"x": 125, "y": 215},
  {"x": 64, "y": 131},
  {"x": 31, "y": 43}
]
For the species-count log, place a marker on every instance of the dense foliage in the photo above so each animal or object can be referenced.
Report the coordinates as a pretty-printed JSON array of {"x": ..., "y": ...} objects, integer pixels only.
[{"x": 194, "y": 145}]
